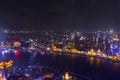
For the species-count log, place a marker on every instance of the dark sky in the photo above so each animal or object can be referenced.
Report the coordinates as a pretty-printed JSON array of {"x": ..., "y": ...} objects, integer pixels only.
[{"x": 84, "y": 15}]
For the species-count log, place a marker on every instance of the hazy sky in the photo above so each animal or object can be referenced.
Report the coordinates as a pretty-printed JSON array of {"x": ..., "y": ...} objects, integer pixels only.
[{"x": 86, "y": 15}]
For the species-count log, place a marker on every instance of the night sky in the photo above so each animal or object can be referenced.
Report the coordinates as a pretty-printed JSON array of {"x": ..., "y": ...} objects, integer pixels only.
[{"x": 83, "y": 15}]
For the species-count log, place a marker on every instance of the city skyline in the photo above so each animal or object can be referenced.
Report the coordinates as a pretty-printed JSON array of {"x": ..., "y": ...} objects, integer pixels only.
[{"x": 60, "y": 40}]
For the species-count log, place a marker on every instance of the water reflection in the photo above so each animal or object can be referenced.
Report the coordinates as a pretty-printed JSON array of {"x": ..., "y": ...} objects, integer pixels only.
[
  {"x": 96, "y": 68},
  {"x": 54, "y": 54},
  {"x": 91, "y": 60},
  {"x": 116, "y": 66},
  {"x": 73, "y": 56},
  {"x": 98, "y": 62}
]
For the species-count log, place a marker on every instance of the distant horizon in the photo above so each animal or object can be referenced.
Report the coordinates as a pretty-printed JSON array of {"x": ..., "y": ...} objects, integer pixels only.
[
  {"x": 36, "y": 28},
  {"x": 60, "y": 30}
]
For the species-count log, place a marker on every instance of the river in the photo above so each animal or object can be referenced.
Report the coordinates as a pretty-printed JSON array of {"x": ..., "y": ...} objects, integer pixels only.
[{"x": 90, "y": 67}]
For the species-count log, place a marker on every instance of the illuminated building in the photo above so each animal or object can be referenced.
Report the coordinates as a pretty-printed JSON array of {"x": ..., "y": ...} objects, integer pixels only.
[
  {"x": 3, "y": 66},
  {"x": 16, "y": 43}
]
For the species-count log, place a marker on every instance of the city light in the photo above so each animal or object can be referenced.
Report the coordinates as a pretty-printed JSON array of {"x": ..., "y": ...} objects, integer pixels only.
[
  {"x": 102, "y": 45},
  {"x": 67, "y": 77},
  {"x": 3, "y": 66},
  {"x": 60, "y": 40},
  {"x": 16, "y": 53}
]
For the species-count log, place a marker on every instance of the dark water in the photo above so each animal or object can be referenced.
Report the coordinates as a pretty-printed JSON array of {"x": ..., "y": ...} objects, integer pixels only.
[{"x": 93, "y": 68}]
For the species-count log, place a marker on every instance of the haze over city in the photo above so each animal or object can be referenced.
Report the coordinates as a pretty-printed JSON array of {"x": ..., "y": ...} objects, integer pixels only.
[
  {"x": 60, "y": 40},
  {"x": 60, "y": 14}
]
